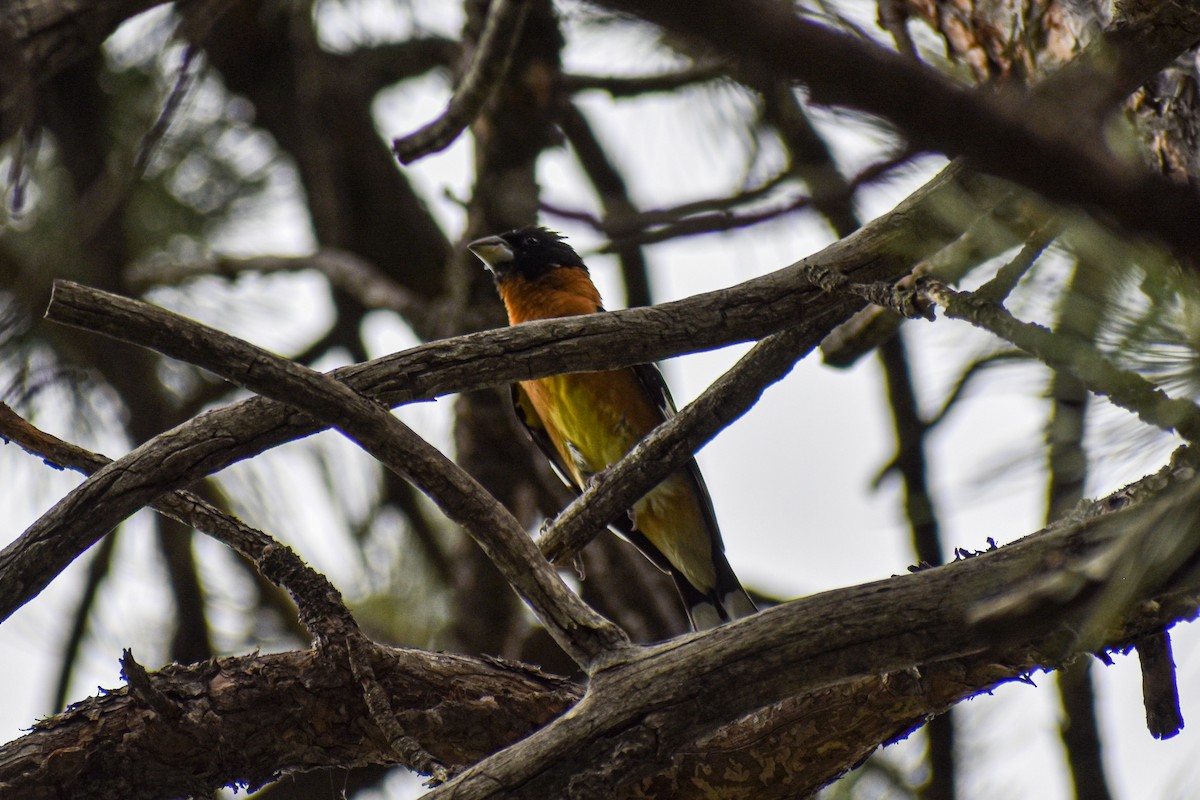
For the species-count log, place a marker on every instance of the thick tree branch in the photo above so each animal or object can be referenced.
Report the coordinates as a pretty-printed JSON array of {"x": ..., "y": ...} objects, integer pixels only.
[
  {"x": 583, "y": 634},
  {"x": 910, "y": 631},
  {"x": 243, "y": 721}
]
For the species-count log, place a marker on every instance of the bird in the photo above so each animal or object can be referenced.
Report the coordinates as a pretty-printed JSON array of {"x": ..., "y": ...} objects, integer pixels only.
[{"x": 586, "y": 422}]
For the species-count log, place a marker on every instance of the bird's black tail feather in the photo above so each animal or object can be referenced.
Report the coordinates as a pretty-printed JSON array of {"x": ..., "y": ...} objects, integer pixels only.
[{"x": 727, "y": 600}]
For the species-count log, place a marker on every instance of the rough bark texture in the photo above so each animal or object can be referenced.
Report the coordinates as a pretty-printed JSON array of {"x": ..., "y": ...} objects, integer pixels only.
[{"x": 210, "y": 729}]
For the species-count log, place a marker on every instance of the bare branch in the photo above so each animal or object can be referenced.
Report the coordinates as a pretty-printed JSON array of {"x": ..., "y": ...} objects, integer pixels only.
[
  {"x": 488, "y": 67},
  {"x": 1124, "y": 388},
  {"x": 321, "y": 608},
  {"x": 713, "y": 215},
  {"x": 816, "y": 649},
  {"x": 619, "y": 86},
  {"x": 671, "y": 709},
  {"x": 225, "y": 706},
  {"x": 1160, "y": 686}
]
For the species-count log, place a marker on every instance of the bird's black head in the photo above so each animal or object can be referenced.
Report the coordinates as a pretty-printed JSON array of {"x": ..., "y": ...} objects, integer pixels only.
[{"x": 527, "y": 252}]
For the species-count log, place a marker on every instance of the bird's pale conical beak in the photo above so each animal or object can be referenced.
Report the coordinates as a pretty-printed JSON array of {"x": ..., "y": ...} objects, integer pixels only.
[{"x": 493, "y": 251}]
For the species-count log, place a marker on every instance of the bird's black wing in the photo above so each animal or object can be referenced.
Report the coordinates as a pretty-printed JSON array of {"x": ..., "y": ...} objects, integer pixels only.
[
  {"x": 537, "y": 432},
  {"x": 652, "y": 382}
]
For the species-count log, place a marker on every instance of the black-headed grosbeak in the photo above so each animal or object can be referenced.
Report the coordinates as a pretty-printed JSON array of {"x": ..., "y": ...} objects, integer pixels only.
[{"x": 587, "y": 421}]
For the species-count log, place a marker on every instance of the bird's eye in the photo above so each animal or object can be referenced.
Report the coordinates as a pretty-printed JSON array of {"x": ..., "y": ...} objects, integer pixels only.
[{"x": 531, "y": 240}]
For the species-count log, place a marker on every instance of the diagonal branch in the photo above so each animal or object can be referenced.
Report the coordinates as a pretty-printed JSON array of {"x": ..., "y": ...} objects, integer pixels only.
[
  {"x": 584, "y": 635},
  {"x": 492, "y": 60},
  {"x": 322, "y": 610},
  {"x": 671, "y": 444},
  {"x": 1126, "y": 389}
]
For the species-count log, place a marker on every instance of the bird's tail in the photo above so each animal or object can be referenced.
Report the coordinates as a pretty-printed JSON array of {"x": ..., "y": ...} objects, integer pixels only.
[{"x": 726, "y": 601}]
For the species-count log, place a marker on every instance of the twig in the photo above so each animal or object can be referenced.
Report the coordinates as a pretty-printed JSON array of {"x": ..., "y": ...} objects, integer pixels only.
[
  {"x": 689, "y": 219},
  {"x": 1160, "y": 686},
  {"x": 711, "y": 223},
  {"x": 895, "y": 297},
  {"x": 1125, "y": 389},
  {"x": 111, "y": 190},
  {"x": 407, "y": 749},
  {"x": 638, "y": 222},
  {"x": 1008, "y": 276},
  {"x": 19, "y": 169},
  {"x": 968, "y": 375},
  {"x": 893, "y": 18},
  {"x": 586, "y": 636},
  {"x": 618, "y": 86},
  {"x": 493, "y": 56},
  {"x": 139, "y": 683},
  {"x": 344, "y": 270}
]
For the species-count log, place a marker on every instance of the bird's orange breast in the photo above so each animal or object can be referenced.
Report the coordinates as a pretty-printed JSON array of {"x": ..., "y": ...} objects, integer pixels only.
[{"x": 561, "y": 292}]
